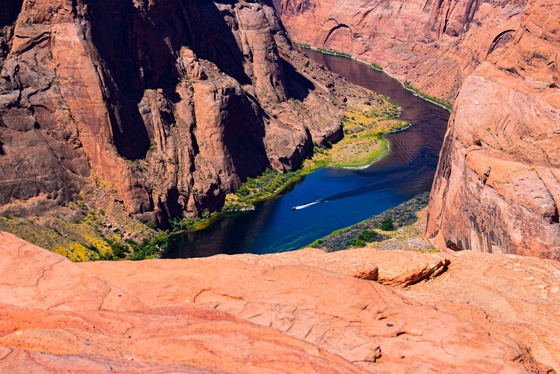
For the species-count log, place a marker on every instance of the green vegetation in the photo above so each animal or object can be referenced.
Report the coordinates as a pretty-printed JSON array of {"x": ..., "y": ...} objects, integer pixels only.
[
  {"x": 269, "y": 183},
  {"x": 376, "y": 229},
  {"x": 334, "y": 52},
  {"x": 374, "y": 146},
  {"x": 180, "y": 225},
  {"x": 263, "y": 187},
  {"x": 149, "y": 248},
  {"x": 445, "y": 104},
  {"x": 387, "y": 225},
  {"x": 374, "y": 66},
  {"x": 366, "y": 236},
  {"x": 327, "y": 51},
  {"x": 363, "y": 142}
]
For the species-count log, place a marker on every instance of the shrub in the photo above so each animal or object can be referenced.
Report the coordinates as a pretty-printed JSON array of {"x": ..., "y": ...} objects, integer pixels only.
[
  {"x": 119, "y": 250},
  {"x": 149, "y": 248},
  {"x": 357, "y": 243},
  {"x": 387, "y": 225}
]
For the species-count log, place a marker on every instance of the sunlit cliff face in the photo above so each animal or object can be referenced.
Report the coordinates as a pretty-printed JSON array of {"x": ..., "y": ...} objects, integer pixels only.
[
  {"x": 433, "y": 45},
  {"x": 170, "y": 104},
  {"x": 497, "y": 189}
]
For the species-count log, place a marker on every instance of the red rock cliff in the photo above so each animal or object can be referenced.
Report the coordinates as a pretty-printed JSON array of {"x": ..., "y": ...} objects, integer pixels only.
[
  {"x": 497, "y": 186},
  {"x": 433, "y": 44},
  {"x": 170, "y": 103}
]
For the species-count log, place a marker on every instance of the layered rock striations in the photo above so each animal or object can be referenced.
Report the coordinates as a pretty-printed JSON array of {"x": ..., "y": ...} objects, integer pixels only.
[
  {"x": 433, "y": 44},
  {"x": 496, "y": 188},
  {"x": 253, "y": 314},
  {"x": 169, "y": 104},
  {"x": 497, "y": 185}
]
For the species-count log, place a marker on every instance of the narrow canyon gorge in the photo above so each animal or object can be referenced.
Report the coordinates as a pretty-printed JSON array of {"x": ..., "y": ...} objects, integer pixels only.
[
  {"x": 163, "y": 108},
  {"x": 497, "y": 185}
]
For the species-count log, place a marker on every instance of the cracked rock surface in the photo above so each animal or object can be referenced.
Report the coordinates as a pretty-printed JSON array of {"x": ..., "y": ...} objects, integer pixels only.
[{"x": 242, "y": 315}]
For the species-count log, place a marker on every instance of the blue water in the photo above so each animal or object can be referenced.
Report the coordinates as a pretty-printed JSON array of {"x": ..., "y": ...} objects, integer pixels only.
[{"x": 330, "y": 199}]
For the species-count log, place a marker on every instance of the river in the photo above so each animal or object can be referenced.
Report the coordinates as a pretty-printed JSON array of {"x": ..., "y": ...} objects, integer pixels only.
[{"x": 347, "y": 196}]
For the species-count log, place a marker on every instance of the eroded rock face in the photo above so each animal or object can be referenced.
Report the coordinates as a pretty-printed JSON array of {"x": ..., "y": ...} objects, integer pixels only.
[
  {"x": 497, "y": 185},
  {"x": 433, "y": 44},
  {"x": 514, "y": 296},
  {"x": 171, "y": 104},
  {"x": 231, "y": 315}
]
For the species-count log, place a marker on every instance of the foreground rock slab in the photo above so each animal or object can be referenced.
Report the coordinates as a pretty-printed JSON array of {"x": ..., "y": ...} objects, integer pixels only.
[
  {"x": 513, "y": 296},
  {"x": 227, "y": 315},
  {"x": 508, "y": 295},
  {"x": 381, "y": 266}
]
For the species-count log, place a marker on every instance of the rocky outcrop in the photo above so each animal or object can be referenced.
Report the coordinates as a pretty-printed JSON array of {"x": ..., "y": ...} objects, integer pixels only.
[
  {"x": 169, "y": 104},
  {"x": 223, "y": 314},
  {"x": 380, "y": 266},
  {"x": 507, "y": 295},
  {"x": 497, "y": 185},
  {"x": 433, "y": 44}
]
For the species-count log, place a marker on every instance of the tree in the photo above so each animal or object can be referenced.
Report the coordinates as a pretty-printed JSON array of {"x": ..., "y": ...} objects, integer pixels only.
[{"x": 387, "y": 225}]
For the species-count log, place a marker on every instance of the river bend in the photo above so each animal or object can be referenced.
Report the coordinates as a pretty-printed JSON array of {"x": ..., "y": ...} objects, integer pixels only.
[{"x": 331, "y": 199}]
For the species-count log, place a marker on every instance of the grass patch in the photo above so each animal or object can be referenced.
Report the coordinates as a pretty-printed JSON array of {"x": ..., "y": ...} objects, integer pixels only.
[
  {"x": 334, "y": 52},
  {"x": 363, "y": 143},
  {"x": 434, "y": 100},
  {"x": 374, "y": 66},
  {"x": 269, "y": 184}
]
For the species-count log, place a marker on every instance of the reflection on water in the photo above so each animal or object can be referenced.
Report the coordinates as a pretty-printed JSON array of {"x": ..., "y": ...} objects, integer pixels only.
[{"x": 330, "y": 199}]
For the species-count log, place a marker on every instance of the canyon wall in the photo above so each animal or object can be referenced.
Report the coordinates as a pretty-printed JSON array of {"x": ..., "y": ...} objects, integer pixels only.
[
  {"x": 497, "y": 185},
  {"x": 496, "y": 188},
  {"x": 169, "y": 104},
  {"x": 434, "y": 45}
]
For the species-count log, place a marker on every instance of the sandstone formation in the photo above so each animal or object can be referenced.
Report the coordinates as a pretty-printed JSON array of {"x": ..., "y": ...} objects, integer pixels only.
[
  {"x": 508, "y": 295},
  {"x": 226, "y": 314},
  {"x": 406, "y": 269},
  {"x": 496, "y": 188},
  {"x": 170, "y": 104},
  {"x": 433, "y": 44},
  {"x": 497, "y": 185}
]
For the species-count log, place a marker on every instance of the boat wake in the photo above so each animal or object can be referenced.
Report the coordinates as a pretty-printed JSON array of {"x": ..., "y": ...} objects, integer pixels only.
[
  {"x": 388, "y": 183},
  {"x": 298, "y": 207}
]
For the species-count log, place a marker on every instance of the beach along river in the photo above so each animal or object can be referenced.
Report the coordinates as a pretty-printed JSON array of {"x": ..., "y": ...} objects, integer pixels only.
[{"x": 330, "y": 199}]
